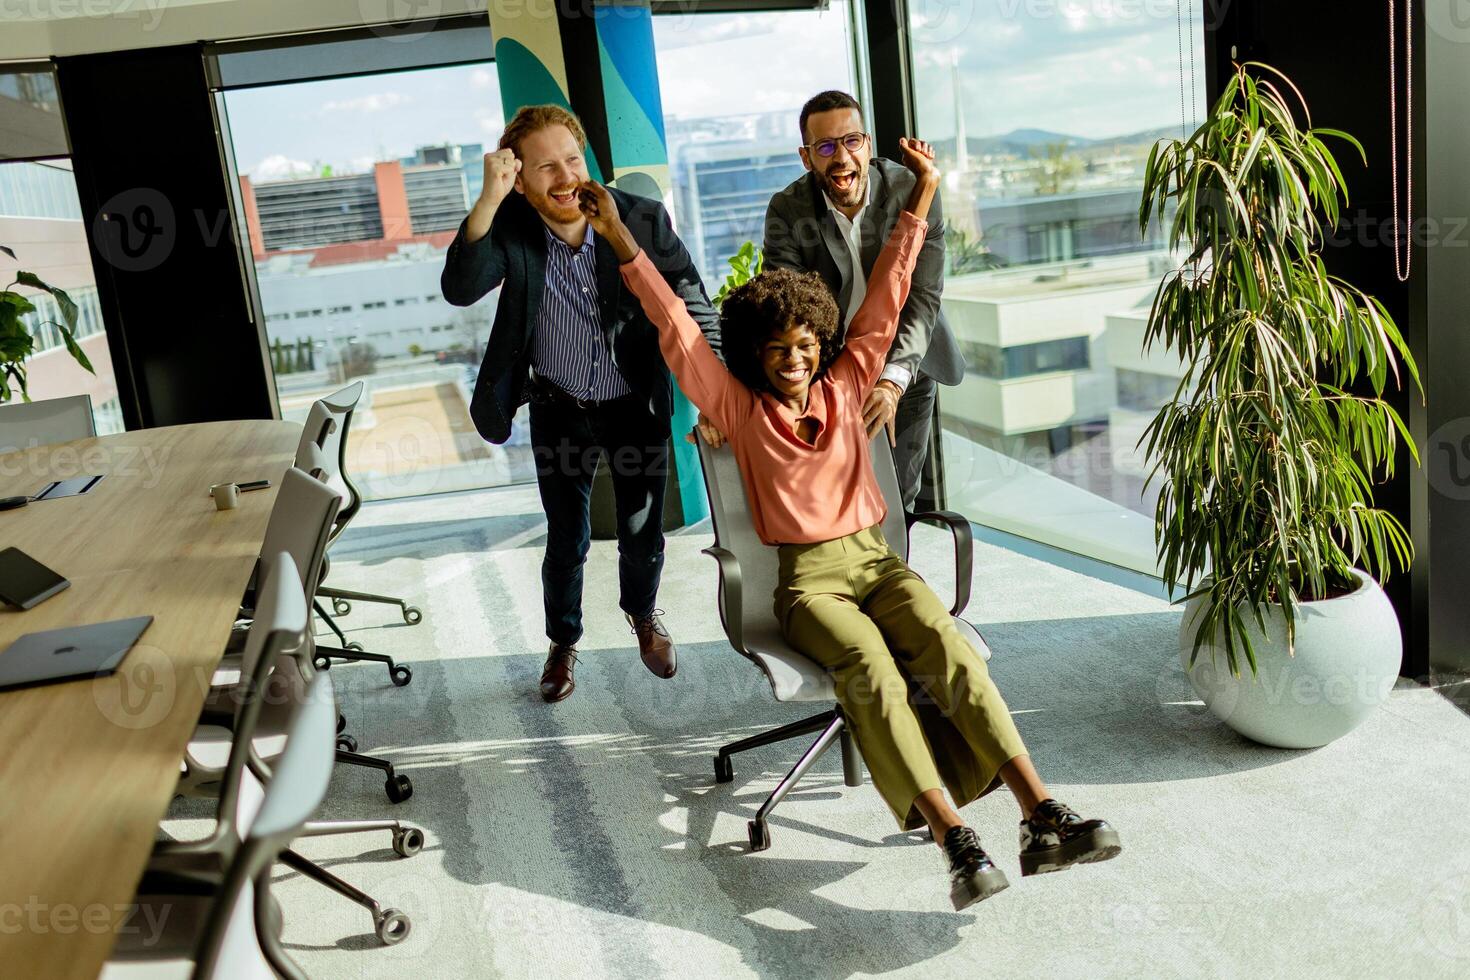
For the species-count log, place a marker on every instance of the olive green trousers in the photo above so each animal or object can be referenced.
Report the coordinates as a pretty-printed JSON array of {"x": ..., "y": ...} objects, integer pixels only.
[{"x": 917, "y": 696}]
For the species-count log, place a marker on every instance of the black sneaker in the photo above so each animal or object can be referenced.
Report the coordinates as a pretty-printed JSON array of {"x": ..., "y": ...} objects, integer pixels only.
[
  {"x": 1055, "y": 838},
  {"x": 972, "y": 875}
]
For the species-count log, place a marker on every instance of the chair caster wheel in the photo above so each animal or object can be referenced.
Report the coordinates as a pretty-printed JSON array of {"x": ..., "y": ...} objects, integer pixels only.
[
  {"x": 322, "y": 662},
  {"x": 346, "y": 743},
  {"x": 724, "y": 769},
  {"x": 392, "y": 927},
  {"x": 399, "y": 788},
  {"x": 354, "y": 646},
  {"x": 412, "y": 616},
  {"x": 760, "y": 835},
  {"x": 341, "y": 722},
  {"x": 341, "y": 607},
  {"x": 408, "y": 841},
  {"x": 400, "y": 674}
]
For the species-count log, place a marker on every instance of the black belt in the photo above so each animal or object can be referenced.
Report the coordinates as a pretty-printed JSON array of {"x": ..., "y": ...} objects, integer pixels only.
[{"x": 547, "y": 393}]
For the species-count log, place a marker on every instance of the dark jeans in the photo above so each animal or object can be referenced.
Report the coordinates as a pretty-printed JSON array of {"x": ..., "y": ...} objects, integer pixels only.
[
  {"x": 911, "y": 425},
  {"x": 567, "y": 442}
]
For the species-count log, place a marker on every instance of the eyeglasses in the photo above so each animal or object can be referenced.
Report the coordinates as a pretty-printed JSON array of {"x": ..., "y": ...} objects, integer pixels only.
[{"x": 852, "y": 142}]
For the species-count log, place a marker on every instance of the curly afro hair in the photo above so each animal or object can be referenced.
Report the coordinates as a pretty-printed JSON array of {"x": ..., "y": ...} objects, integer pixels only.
[{"x": 768, "y": 304}]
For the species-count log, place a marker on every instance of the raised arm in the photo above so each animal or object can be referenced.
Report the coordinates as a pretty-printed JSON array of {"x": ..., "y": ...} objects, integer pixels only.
[
  {"x": 701, "y": 375},
  {"x": 475, "y": 263},
  {"x": 871, "y": 332}
]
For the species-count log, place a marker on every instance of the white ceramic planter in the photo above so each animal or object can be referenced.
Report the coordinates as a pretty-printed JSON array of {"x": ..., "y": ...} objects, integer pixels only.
[{"x": 1348, "y": 652}]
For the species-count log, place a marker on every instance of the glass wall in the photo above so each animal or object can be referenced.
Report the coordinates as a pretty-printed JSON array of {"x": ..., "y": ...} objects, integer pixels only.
[
  {"x": 352, "y": 191},
  {"x": 41, "y": 222},
  {"x": 1043, "y": 115},
  {"x": 732, "y": 136}
]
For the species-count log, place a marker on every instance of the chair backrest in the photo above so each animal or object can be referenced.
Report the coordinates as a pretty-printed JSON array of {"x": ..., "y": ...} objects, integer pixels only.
[
  {"x": 46, "y": 422},
  {"x": 327, "y": 425},
  {"x": 301, "y": 521},
  {"x": 296, "y": 787},
  {"x": 279, "y": 626},
  {"x": 734, "y": 528}
]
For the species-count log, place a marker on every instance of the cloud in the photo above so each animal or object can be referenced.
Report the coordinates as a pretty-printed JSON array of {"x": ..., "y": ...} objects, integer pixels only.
[
  {"x": 377, "y": 102},
  {"x": 482, "y": 78},
  {"x": 280, "y": 167}
]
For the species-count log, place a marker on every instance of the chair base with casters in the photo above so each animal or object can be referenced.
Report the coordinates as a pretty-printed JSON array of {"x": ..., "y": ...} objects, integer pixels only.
[
  {"x": 832, "y": 726},
  {"x": 341, "y": 605},
  {"x": 398, "y": 786},
  {"x": 392, "y": 926},
  {"x": 399, "y": 674}
]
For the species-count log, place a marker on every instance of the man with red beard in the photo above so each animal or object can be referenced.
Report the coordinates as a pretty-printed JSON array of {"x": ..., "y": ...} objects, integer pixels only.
[
  {"x": 573, "y": 342},
  {"x": 833, "y": 220}
]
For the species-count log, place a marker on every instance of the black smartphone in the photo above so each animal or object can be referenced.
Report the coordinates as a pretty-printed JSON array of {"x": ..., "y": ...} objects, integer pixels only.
[
  {"x": 24, "y": 582},
  {"x": 254, "y": 485}
]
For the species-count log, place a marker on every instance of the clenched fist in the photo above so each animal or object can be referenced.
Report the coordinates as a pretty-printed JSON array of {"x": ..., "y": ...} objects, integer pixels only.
[{"x": 501, "y": 168}]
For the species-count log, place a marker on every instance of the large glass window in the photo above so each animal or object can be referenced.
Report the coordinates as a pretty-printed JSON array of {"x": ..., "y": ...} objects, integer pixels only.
[
  {"x": 1043, "y": 115},
  {"x": 41, "y": 222},
  {"x": 352, "y": 190},
  {"x": 732, "y": 144}
]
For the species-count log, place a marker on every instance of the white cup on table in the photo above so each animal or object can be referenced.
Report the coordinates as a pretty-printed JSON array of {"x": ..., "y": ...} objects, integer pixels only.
[{"x": 226, "y": 495}]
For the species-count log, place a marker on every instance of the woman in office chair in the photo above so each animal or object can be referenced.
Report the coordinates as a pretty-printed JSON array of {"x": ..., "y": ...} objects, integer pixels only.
[{"x": 791, "y": 405}]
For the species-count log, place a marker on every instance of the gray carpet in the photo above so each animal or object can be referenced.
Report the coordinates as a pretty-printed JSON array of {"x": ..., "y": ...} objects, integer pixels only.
[{"x": 589, "y": 839}]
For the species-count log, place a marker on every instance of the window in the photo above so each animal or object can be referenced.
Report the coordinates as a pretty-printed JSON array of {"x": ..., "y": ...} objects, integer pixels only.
[
  {"x": 40, "y": 220},
  {"x": 315, "y": 159},
  {"x": 733, "y": 146},
  {"x": 1043, "y": 116}
]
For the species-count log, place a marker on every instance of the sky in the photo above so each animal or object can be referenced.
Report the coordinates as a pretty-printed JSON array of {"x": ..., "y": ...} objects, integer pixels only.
[{"x": 1089, "y": 68}]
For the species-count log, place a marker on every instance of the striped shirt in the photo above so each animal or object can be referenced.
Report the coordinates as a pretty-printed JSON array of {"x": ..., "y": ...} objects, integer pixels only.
[{"x": 568, "y": 346}]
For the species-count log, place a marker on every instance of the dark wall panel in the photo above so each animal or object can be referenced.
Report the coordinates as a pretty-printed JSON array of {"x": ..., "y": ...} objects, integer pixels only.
[{"x": 162, "y": 235}]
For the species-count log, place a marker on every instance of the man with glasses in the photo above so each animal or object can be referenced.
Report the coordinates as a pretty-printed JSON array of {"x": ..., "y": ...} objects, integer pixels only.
[{"x": 834, "y": 220}]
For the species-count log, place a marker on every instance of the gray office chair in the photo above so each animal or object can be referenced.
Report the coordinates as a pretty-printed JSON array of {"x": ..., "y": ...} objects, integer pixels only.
[
  {"x": 748, "y": 573},
  {"x": 327, "y": 425},
  {"x": 228, "y": 926},
  {"x": 45, "y": 422},
  {"x": 214, "y": 766},
  {"x": 300, "y": 524}
]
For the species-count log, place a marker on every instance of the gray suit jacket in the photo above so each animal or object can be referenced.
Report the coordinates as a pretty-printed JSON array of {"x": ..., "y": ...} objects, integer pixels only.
[{"x": 801, "y": 233}]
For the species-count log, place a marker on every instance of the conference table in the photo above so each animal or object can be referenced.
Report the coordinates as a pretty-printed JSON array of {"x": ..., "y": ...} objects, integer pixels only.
[{"x": 88, "y": 767}]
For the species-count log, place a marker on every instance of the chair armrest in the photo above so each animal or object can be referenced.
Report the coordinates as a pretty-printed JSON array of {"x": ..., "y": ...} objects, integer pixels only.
[
  {"x": 730, "y": 588},
  {"x": 964, "y": 551}
]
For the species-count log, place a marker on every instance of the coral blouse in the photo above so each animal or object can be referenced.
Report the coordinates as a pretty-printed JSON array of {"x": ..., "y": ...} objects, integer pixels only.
[{"x": 799, "y": 492}]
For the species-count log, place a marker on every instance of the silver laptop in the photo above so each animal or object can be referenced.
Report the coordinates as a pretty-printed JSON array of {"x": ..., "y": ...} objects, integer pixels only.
[{"x": 94, "y": 650}]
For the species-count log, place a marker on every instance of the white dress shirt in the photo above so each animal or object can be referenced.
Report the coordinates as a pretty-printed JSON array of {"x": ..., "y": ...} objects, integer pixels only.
[{"x": 851, "y": 230}]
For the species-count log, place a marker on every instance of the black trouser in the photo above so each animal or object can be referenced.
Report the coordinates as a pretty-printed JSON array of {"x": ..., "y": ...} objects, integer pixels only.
[
  {"x": 567, "y": 441},
  {"x": 912, "y": 423}
]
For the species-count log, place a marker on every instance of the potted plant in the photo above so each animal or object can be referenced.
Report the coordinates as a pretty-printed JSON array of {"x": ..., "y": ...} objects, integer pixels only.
[
  {"x": 16, "y": 340},
  {"x": 1274, "y": 440}
]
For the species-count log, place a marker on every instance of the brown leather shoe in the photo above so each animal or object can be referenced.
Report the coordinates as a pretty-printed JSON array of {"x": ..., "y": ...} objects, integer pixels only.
[
  {"x": 654, "y": 645},
  {"x": 557, "y": 682}
]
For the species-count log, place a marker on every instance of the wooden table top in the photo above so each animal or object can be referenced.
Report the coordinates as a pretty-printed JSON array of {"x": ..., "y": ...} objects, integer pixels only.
[{"x": 88, "y": 767}]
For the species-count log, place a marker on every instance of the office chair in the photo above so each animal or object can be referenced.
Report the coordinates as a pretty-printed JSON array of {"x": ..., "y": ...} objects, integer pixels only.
[
  {"x": 327, "y": 425},
  {"x": 228, "y": 926},
  {"x": 278, "y": 665},
  {"x": 300, "y": 525},
  {"x": 748, "y": 573},
  {"x": 45, "y": 422}
]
